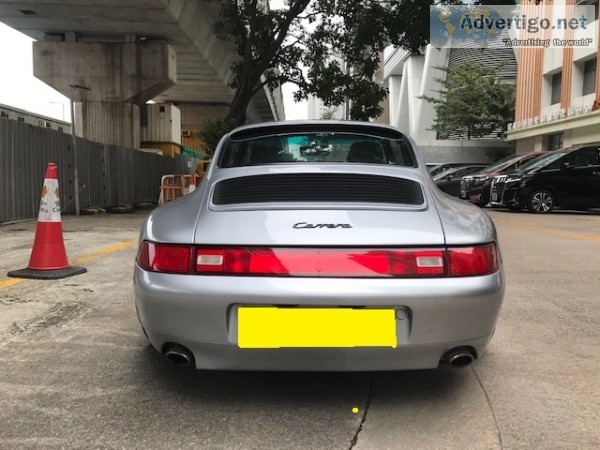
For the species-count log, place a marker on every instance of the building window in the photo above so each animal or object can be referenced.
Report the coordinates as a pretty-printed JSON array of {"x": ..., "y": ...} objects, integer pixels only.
[
  {"x": 20, "y": 119},
  {"x": 555, "y": 141},
  {"x": 556, "y": 85},
  {"x": 589, "y": 77},
  {"x": 61, "y": 129},
  {"x": 3, "y": 114},
  {"x": 143, "y": 116}
]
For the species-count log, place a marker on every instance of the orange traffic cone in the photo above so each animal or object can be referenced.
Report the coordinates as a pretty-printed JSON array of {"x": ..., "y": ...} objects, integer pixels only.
[{"x": 48, "y": 259}]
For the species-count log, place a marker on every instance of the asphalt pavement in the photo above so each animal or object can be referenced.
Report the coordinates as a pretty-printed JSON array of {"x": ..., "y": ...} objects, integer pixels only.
[{"x": 77, "y": 372}]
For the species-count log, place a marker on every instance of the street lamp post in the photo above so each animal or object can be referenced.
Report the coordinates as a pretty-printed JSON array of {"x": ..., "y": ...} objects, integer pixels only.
[{"x": 74, "y": 144}]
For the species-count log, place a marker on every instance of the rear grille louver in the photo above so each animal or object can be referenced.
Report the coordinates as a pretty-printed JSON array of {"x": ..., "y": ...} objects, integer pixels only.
[{"x": 318, "y": 187}]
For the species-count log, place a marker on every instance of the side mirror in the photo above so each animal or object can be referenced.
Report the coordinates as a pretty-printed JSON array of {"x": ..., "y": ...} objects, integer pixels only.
[{"x": 566, "y": 165}]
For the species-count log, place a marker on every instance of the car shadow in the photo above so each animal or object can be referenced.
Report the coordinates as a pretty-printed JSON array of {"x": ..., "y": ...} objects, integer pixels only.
[
  {"x": 295, "y": 387},
  {"x": 592, "y": 212}
]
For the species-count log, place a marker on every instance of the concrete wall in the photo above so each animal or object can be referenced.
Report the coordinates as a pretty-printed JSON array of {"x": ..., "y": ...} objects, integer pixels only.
[
  {"x": 193, "y": 115},
  {"x": 192, "y": 119}
]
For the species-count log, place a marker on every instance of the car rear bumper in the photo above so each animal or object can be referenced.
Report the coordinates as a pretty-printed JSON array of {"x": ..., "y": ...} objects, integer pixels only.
[
  {"x": 200, "y": 313},
  {"x": 210, "y": 356}
]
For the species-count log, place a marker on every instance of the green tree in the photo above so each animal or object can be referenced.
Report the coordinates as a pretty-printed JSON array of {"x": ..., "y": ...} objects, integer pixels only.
[
  {"x": 328, "y": 115},
  {"x": 274, "y": 45},
  {"x": 473, "y": 102},
  {"x": 212, "y": 131}
]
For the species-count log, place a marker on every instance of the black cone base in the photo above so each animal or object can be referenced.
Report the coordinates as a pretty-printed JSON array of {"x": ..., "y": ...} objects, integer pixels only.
[{"x": 47, "y": 274}]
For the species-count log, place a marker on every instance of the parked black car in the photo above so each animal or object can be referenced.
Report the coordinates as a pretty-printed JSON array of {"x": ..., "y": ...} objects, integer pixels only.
[
  {"x": 568, "y": 179},
  {"x": 476, "y": 187},
  {"x": 449, "y": 180}
]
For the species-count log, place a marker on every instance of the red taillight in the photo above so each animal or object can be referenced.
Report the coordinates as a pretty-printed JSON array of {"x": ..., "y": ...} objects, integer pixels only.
[
  {"x": 165, "y": 258},
  {"x": 320, "y": 262},
  {"x": 473, "y": 261}
]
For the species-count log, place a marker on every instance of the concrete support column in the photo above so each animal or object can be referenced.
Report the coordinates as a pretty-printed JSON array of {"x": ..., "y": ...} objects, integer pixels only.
[
  {"x": 413, "y": 74},
  {"x": 430, "y": 86},
  {"x": 385, "y": 103},
  {"x": 567, "y": 74},
  {"x": 107, "y": 82},
  {"x": 598, "y": 65},
  {"x": 399, "y": 107},
  {"x": 109, "y": 122}
]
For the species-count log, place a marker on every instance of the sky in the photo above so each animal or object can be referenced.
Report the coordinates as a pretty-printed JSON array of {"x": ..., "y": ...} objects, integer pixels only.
[{"x": 20, "y": 89}]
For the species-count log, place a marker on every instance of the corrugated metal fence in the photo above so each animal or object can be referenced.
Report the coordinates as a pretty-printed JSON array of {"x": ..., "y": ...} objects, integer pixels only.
[{"x": 108, "y": 175}]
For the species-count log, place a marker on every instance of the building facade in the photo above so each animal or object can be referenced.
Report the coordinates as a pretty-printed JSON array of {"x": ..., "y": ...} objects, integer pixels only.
[
  {"x": 20, "y": 115},
  {"x": 318, "y": 110},
  {"x": 558, "y": 92},
  {"x": 410, "y": 77}
]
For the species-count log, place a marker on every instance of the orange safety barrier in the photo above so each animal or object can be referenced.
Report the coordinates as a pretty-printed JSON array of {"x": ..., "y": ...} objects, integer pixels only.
[
  {"x": 203, "y": 166},
  {"x": 175, "y": 186}
]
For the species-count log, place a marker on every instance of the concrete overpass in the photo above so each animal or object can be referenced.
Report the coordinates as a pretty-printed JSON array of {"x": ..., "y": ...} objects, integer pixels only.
[{"x": 129, "y": 52}]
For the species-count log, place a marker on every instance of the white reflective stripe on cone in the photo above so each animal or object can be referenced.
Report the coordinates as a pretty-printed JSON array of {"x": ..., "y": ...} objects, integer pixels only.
[{"x": 50, "y": 203}]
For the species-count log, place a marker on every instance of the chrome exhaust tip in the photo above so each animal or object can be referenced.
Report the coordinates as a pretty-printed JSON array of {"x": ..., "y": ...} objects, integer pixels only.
[
  {"x": 179, "y": 355},
  {"x": 459, "y": 357}
]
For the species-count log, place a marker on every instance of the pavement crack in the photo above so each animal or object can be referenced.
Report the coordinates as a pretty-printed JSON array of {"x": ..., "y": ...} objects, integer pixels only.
[
  {"x": 57, "y": 315},
  {"x": 370, "y": 395},
  {"x": 489, "y": 402},
  {"x": 10, "y": 300}
]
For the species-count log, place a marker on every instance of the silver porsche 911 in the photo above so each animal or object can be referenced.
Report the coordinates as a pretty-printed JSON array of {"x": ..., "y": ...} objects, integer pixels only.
[{"x": 318, "y": 246}]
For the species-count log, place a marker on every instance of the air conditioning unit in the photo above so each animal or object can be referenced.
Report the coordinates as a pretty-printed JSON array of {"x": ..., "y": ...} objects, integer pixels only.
[{"x": 186, "y": 133}]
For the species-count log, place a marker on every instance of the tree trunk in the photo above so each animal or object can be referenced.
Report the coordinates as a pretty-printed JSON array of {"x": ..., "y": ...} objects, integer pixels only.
[
  {"x": 237, "y": 109},
  {"x": 243, "y": 94}
]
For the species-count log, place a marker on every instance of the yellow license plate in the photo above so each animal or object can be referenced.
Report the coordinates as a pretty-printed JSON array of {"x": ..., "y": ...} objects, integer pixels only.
[{"x": 274, "y": 327}]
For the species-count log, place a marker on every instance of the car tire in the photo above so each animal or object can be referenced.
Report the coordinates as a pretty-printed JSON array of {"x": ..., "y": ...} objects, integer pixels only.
[{"x": 541, "y": 201}]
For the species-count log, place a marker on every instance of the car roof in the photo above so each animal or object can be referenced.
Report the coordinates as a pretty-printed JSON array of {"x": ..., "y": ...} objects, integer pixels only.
[
  {"x": 456, "y": 169},
  {"x": 340, "y": 126},
  {"x": 510, "y": 162}
]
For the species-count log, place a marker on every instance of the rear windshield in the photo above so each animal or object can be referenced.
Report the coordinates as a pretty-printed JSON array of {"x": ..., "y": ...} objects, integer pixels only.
[{"x": 317, "y": 148}]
